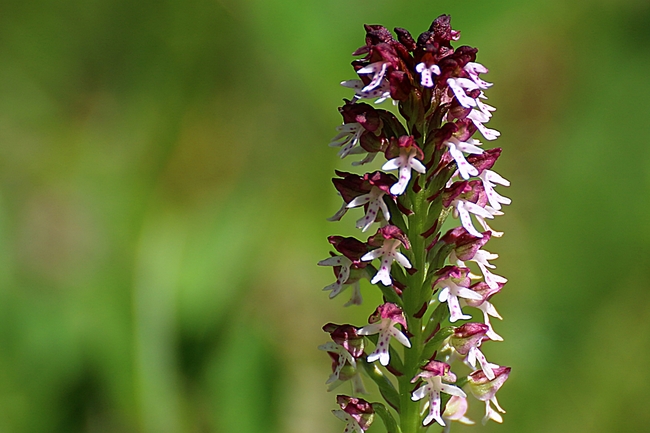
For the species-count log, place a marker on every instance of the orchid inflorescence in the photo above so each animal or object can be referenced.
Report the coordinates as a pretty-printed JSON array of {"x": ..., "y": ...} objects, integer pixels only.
[{"x": 437, "y": 169}]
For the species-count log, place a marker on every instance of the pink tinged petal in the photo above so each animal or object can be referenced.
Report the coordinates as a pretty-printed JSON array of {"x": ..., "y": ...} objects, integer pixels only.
[
  {"x": 420, "y": 393},
  {"x": 456, "y": 409},
  {"x": 343, "y": 275},
  {"x": 369, "y": 157},
  {"x": 359, "y": 201},
  {"x": 497, "y": 405},
  {"x": 489, "y": 134},
  {"x": 479, "y": 211},
  {"x": 452, "y": 390},
  {"x": 335, "y": 288},
  {"x": 402, "y": 260},
  {"x": 468, "y": 294},
  {"x": 383, "y": 92},
  {"x": 379, "y": 71},
  {"x": 425, "y": 78},
  {"x": 357, "y": 385},
  {"x": 330, "y": 346},
  {"x": 371, "y": 214},
  {"x": 493, "y": 197},
  {"x": 332, "y": 386},
  {"x": 465, "y": 219},
  {"x": 333, "y": 261},
  {"x": 455, "y": 312},
  {"x": 399, "y": 336},
  {"x": 381, "y": 351},
  {"x": 352, "y": 84},
  {"x": 482, "y": 84},
  {"x": 434, "y": 409},
  {"x": 339, "y": 214},
  {"x": 491, "y": 414},
  {"x": 469, "y": 146},
  {"x": 392, "y": 164},
  {"x": 344, "y": 272},
  {"x": 356, "y": 298},
  {"x": 404, "y": 177},
  {"x": 426, "y": 74},
  {"x": 486, "y": 227},
  {"x": 373, "y": 328},
  {"x": 485, "y": 366},
  {"x": 493, "y": 176},
  {"x": 337, "y": 371},
  {"x": 475, "y": 68},
  {"x": 483, "y": 256},
  {"x": 491, "y": 279},
  {"x": 371, "y": 255},
  {"x": 477, "y": 116},
  {"x": 485, "y": 108},
  {"x": 465, "y": 169},
  {"x": 384, "y": 209},
  {"x": 347, "y": 128},
  {"x": 351, "y": 423},
  {"x": 443, "y": 296},
  {"x": 349, "y": 147},
  {"x": 487, "y": 309},
  {"x": 383, "y": 274},
  {"x": 340, "y": 139},
  {"x": 494, "y": 212},
  {"x": 458, "y": 86},
  {"x": 417, "y": 166}
]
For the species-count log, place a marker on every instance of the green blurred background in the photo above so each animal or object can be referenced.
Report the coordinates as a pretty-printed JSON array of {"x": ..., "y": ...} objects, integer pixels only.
[{"x": 164, "y": 184}]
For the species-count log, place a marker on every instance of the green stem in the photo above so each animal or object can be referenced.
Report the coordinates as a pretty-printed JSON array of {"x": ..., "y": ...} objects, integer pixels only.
[
  {"x": 414, "y": 297},
  {"x": 416, "y": 294}
]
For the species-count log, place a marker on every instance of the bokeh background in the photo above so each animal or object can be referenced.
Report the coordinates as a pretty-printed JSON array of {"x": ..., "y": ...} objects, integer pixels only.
[{"x": 164, "y": 184}]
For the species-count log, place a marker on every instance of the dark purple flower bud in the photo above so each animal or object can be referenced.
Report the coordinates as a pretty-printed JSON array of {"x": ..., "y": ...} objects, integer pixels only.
[
  {"x": 388, "y": 311},
  {"x": 350, "y": 186},
  {"x": 466, "y": 128},
  {"x": 381, "y": 180},
  {"x": 377, "y": 34},
  {"x": 472, "y": 191},
  {"x": 459, "y": 275},
  {"x": 463, "y": 55},
  {"x": 346, "y": 336},
  {"x": 384, "y": 53},
  {"x": 437, "y": 40},
  {"x": 405, "y": 38},
  {"x": 483, "y": 289},
  {"x": 406, "y": 143},
  {"x": 388, "y": 232},
  {"x": 437, "y": 368},
  {"x": 485, "y": 160},
  {"x": 477, "y": 194},
  {"x": 441, "y": 29},
  {"x": 358, "y": 408},
  {"x": 361, "y": 113},
  {"x": 466, "y": 245},
  {"x": 456, "y": 190},
  {"x": 350, "y": 247},
  {"x": 400, "y": 85},
  {"x": 483, "y": 388},
  {"x": 457, "y": 111},
  {"x": 467, "y": 336},
  {"x": 372, "y": 143}
]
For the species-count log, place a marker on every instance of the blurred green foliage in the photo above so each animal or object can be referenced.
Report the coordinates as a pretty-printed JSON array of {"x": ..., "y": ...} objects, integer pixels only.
[{"x": 164, "y": 183}]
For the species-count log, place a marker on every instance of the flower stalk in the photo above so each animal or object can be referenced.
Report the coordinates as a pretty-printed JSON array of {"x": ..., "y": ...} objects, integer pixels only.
[{"x": 420, "y": 346}]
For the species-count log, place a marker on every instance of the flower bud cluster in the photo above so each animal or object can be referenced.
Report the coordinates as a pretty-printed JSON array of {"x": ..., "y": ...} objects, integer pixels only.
[{"x": 431, "y": 281}]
